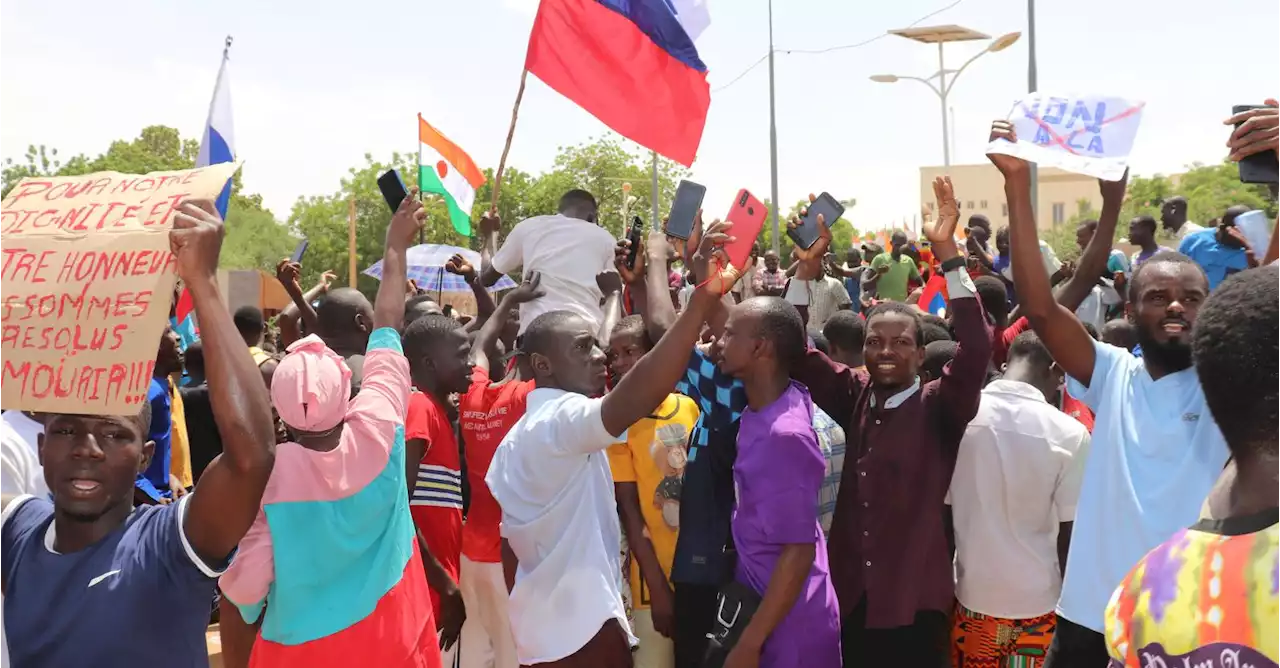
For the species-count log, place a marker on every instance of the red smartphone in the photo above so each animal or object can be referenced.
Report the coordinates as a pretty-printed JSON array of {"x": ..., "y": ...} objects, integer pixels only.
[{"x": 747, "y": 215}]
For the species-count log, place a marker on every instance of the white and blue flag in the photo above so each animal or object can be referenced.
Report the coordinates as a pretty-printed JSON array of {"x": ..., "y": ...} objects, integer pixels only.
[{"x": 218, "y": 144}]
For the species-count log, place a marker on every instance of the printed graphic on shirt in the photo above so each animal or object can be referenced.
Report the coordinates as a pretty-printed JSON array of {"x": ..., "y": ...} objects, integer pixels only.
[
  {"x": 1199, "y": 599},
  {"x": 669, "y": 456}
]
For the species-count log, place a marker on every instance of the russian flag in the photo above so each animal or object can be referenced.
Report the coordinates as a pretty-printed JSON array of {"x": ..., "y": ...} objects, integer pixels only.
[
  {"x": 218, "y": 144},
  {"x": 934, "y": 298},
  {"x": 631, "y": 63}
]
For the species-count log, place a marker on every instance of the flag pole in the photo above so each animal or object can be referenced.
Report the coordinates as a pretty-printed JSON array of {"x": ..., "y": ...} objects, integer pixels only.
[
  {"x": 351, "y": 240},
  {"x": 506, "y": 148}
]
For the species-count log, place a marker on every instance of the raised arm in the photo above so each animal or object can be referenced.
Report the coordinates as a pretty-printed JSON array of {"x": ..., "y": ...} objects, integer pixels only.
[
  {"x": 659, "y": 312},
  {"x": 657, "y": 372},
  {"x": 490, "y": 223},
  {"x": 388, "y": 305},
  {"x": 610, "y": 285},
  {"x": 960, "y": 388},
  {"x": 1093, "y": 261},
  {"x": 1062, "y": 333},
  {"x": 230, "y": 491},
  {"x": 299, "y": 306},
  {"x": 484, "y": 301},
  {"x": 527, "y": 291}
]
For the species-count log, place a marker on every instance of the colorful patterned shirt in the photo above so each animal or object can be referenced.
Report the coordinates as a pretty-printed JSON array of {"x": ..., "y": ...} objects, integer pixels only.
[{"x": 1206, "y": 597}]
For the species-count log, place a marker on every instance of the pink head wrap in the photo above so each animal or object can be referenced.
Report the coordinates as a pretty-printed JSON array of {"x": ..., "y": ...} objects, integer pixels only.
[{"x": 311, "y": 386}]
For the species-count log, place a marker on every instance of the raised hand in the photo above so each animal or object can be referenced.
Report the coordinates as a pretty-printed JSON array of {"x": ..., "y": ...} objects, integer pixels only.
[
  {"x": 490, "y": 223},
  {"x": 943, "y": 230},
  {"x": 287, "y": 272},
  {"x": 196, "y": 240},
  {"x": 609, "y": 282},
  {"x": 326, "y": 281},
  {"x": 406, "y": 222},
  {"x": 459, "y": 265},
  {"x": 711, "y": 264},
  {"x": 1113, "y": 191},
  {"x": 622, "y": 251},
  {"x": 528, "y": 290},
  {"x": 1007, "y": 164},
  {"x": 1259, "y": 131},
  {"x": 820, "y": 246}
]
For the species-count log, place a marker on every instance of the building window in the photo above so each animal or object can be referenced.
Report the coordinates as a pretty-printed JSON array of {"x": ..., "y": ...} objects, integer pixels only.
[
  {"x": 982, "y": 205},
  {"x": 969, "y": 204},
  {"x": 1059, "y": 212},
  {"x": 1004, "y": 210}
]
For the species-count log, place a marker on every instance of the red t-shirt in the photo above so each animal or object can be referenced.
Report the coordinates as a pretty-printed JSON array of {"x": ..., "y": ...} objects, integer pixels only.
[
  {"x": 486, "y": 413},
  {"x": 436, "y": 501}
]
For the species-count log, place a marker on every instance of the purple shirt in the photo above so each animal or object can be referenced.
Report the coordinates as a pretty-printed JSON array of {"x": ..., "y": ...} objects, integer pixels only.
[{"x": 777, "y": 475}]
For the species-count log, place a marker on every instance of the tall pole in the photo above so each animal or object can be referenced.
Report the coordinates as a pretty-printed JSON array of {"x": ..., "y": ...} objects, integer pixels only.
[
  {"x": 942, "y": 97},
  {"x": 351, "y": 240},
  {"x": 1031, "y": 88},
  {"x": 773, "y": 138},
  {"x": 654, "y": 194}
]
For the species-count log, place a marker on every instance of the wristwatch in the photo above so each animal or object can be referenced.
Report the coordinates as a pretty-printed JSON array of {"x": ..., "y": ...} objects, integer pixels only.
[{"x": 954, "y": 263}]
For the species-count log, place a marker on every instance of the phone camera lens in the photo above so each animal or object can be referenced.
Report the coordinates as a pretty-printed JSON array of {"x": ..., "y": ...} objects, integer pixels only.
[
  {"x": 751, "y": 211},
  {"x": 743, "y": 201}
]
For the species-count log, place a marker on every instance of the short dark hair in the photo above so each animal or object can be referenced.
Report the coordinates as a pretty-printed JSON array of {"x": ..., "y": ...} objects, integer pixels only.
[
  {"x": 424, "y": 333},
  {"x": 1121, "y": 329},
  {"x": 1163, "y": 257},
  {"x": 899, "y": 238},
  {"x": 846, "y": 330},
  {"x": 820, "y": 342},
  {"x": 337, "y": 312},
  {"x": 1028, "y": 346},
  {"x": 899, "y": 308},
  {"x": 1233, "y": 345},
  {"x": 980, "y": 220},
  {"x": 936, "y": 328},
  {"x": 782, "y": 325},
  {"x": 936, "y": 356},
  {"x": 993, "y": 295},
  {"x": 1091, "y": 329},
  {"x": 411, "y": 308},
  {"x": 193, "y": 358},
  {"x": 249, "y": 321},
  {"x": 1145, "y": 220},
  {"x": 1090, "y": 224},
  {"x": 540, "y": 335},
  {"x": 577, "y": 201},
  {"x": 633, "y": 325}
]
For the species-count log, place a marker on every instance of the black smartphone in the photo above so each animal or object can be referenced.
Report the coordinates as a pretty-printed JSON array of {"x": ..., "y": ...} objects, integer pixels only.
[
  {"x": 393, "y": 190},
  {"x": 807, "y": 233},
  {"x": 685, "y": 208},
  {"x": 1259, "y": 167},
  {"x": 299, "y": 251},
  {"x": 637, "y": 229}
]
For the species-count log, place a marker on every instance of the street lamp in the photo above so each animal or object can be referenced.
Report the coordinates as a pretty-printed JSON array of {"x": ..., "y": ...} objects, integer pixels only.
[{"x": 941, "y": 35}]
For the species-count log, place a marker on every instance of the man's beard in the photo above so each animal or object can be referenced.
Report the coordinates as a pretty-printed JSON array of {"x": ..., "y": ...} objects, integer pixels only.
[{"x": 1172, "y": 355}]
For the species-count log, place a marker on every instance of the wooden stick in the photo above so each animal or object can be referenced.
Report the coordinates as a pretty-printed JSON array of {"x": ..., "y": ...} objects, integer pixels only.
[
  {"x": 351, "y": 240},
  {"x": 511, "y": 131}
]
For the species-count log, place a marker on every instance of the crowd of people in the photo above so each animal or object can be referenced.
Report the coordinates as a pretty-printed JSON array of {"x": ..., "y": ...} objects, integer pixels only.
[{"x": 647, "y": 456}]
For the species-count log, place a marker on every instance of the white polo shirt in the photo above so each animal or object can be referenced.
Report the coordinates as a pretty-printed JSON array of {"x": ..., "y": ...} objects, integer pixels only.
[
  {"x": 551, "y": 476},
  {"x": 1156, "y": 453},
  {"x": 1015, "y": 480}
]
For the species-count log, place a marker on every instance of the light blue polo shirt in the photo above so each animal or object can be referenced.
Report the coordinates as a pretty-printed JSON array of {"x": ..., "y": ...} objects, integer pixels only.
[
  {"x": 1217, "y": 260},
  {"x": 1156, "y": 452}
]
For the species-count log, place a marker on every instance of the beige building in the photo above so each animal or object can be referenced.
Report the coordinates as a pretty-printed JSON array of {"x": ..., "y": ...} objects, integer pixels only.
[{"x": 980, "y": 189}]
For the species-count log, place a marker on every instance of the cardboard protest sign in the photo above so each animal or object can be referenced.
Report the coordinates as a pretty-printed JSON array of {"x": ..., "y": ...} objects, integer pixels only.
[
  {"x": 1088, "y": 135},
  {"x": 86, "y": 283}
]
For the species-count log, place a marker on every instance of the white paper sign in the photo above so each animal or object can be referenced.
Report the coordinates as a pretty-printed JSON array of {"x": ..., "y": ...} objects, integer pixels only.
[{"x": 1088, "y": 135}]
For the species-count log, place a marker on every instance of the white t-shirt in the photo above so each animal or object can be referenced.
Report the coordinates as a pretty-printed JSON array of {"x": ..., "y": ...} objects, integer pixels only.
[
  {"x": 551, "y": 476},
  {"x": 743, "y": 286},
  {"x": 1188, "y": 228},
  {"x": 1156, "y": 452},
  {"x": 569, "y": 253},
  {"x": 1093, "y": 309},
  {"x": 1014, "y": 482}
]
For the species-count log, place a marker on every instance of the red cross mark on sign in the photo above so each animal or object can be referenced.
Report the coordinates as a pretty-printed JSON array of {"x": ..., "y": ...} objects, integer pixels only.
[{"x": 1065, "y": 143}]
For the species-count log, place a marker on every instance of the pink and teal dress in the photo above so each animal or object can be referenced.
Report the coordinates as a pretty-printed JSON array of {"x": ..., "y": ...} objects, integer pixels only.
[{"x": 332, "y": 555}]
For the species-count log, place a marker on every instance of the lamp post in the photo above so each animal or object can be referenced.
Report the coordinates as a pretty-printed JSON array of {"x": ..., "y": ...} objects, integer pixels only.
[
  {"x": 941, "y": 35},
  {"x": 773, "y": 138}
]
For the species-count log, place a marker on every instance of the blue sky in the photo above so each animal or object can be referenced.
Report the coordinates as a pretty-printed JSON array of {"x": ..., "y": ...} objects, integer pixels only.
[{"x": 316, "y": 85}]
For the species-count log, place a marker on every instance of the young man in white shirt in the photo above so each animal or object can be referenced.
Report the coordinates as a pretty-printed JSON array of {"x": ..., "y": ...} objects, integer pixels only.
[
  {"x": 568, "y": 249},
  {"x": 1156, "y": 450},
  {"x": 1013, "y": 498},
  {"x": 1173, "y": 216},
  {"x": 551, "y": 476}
]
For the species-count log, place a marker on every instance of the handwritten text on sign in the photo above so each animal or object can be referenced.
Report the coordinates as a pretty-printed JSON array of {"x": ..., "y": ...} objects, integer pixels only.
[
  {"x": 1086, "y": 135},
  {"x": 85, "y": 285}
]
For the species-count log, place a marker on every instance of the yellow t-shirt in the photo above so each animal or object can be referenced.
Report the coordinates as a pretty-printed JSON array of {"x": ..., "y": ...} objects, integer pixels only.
[
  {"x": 653, "y": 457},
  {"x": 179, "y": 451}
]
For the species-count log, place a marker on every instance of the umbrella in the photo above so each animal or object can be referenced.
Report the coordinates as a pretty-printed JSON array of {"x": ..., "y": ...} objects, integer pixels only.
[{"x": 426, "y": 266}]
